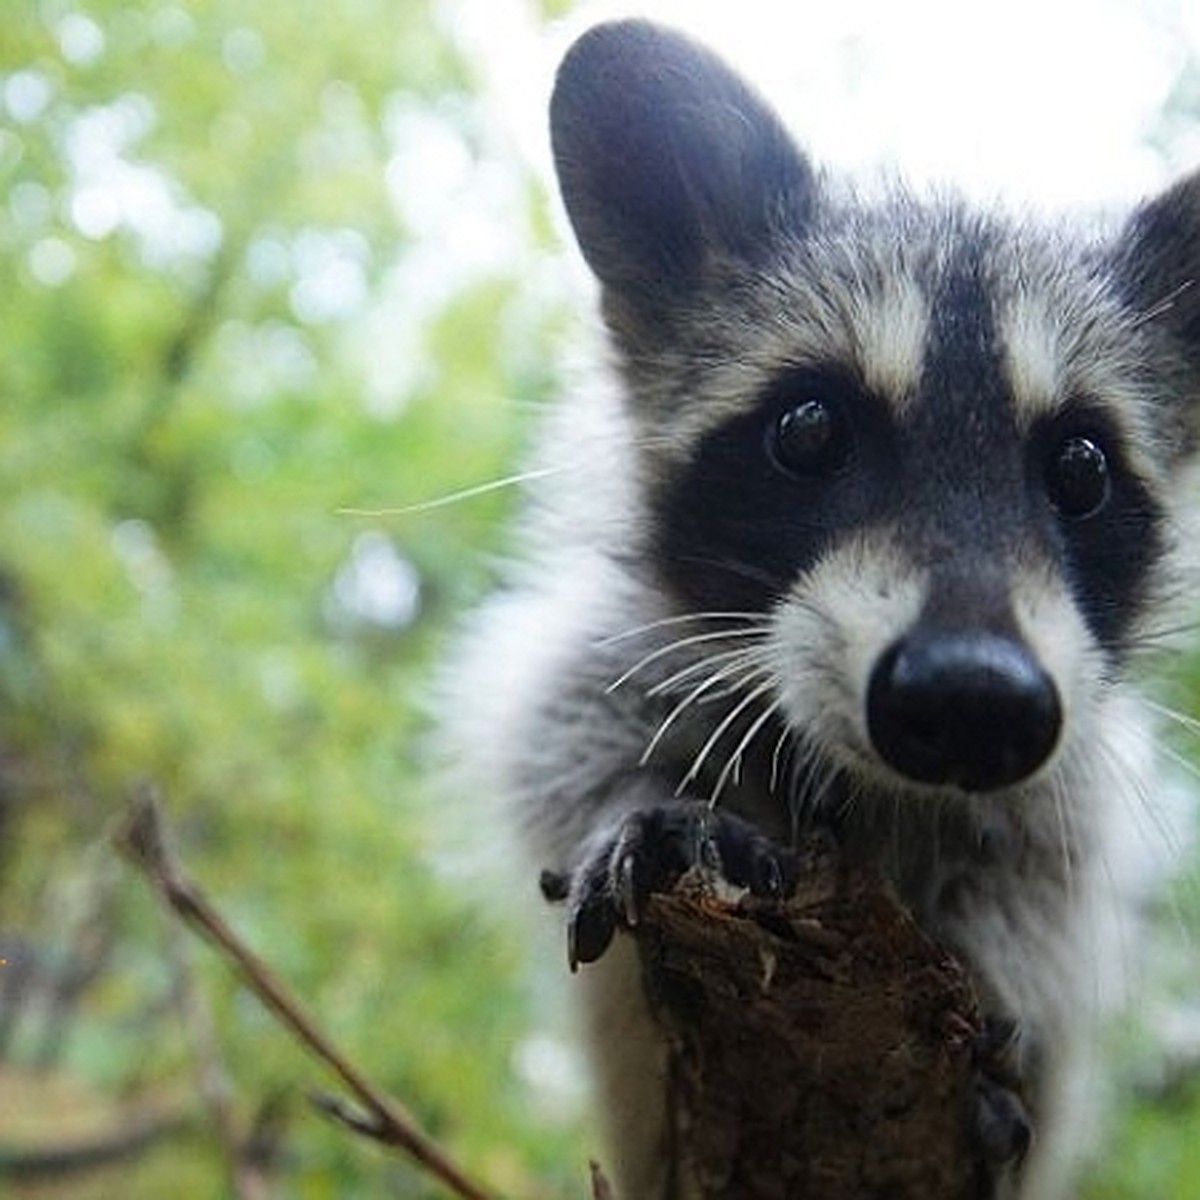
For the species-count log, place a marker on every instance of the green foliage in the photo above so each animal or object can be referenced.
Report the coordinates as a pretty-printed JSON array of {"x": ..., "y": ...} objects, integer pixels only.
[
  {"x": 219, "y": 335},
  {"x": 234, "y": 305}
]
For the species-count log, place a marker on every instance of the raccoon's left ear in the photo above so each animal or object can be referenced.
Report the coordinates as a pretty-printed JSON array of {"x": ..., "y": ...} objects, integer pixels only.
[
  {"x": 1158, "y": 261},
  {"x": 668, "y": 162}
]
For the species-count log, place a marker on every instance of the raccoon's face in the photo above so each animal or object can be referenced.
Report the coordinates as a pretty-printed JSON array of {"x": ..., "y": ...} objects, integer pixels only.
[{"x": 932, "y": 449}]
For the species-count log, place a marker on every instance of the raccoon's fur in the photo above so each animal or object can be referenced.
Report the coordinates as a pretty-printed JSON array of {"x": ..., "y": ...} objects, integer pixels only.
[{"x": 862, "y": 530}]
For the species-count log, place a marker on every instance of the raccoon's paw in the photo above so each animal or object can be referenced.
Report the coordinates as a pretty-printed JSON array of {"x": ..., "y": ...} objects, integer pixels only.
[
  {"x": 649, "y": 852},
  {"x": 1003, "y": 1127}
]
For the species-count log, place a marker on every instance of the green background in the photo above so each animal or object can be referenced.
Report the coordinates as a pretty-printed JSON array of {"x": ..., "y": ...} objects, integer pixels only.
[{"x": 223, "y": 334}]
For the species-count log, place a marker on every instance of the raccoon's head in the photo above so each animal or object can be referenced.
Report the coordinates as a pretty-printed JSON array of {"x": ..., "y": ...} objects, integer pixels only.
[{"x": 934, "y": 449}]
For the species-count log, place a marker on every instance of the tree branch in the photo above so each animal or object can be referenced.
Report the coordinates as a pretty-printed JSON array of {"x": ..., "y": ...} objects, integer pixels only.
[{"x": 144, "y": 841}]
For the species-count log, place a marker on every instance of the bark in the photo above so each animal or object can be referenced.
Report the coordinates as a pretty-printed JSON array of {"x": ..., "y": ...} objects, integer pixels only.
[{"x": 820, "y": 1047}]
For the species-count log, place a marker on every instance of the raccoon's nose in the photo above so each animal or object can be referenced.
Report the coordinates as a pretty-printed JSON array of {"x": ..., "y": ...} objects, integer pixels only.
[{"x": 975, "y": 710}]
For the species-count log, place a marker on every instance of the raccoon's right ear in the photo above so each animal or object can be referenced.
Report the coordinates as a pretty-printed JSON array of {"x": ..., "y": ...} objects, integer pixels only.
[
  {"x": 1159, "y": 262},
  {"x": 668, "y": 162}
]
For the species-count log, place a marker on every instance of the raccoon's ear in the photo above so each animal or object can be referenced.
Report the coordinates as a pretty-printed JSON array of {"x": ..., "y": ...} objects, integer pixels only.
[
  {"x": 667, "y": 161},
  {"x": 1159, "y": 262}
]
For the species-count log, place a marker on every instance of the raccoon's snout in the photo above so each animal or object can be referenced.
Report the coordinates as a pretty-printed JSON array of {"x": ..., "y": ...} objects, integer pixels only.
[{"x": 971, "y": 709}]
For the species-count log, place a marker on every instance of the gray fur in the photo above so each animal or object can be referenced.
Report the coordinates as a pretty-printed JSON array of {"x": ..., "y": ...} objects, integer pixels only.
[{"x": 591, "y": 688}]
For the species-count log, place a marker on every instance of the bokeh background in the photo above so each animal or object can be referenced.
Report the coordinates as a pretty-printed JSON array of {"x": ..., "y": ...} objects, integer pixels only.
[{"x": 273, "y": 277}]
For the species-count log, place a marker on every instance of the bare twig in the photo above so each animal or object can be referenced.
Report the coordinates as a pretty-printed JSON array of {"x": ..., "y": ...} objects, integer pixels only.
[
  {"x": 144, "y": 841},
  {"x": 247, "y": 1180}
]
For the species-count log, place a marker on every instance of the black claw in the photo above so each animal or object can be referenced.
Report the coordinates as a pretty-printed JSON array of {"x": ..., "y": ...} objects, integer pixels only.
[
  {"x": 572, "y": 946},
  {"x": 629, "y": 903},
  {"x": 774, "y": 877},
  {"x": 750, "y": 860},
  {"x": 999, "y": 1041},
  {"x": 649, "y": 853},
  {"x": 1002, "y": 1124},
  {"x": 590, "y": 930},
  {"x": 555, "y": 886}
]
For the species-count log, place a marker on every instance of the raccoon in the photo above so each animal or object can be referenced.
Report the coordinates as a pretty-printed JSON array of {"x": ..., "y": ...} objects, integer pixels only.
[{"x": 862, "y": 528}]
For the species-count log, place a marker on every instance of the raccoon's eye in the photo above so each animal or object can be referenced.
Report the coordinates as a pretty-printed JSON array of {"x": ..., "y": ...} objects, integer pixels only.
[
  {"x": 808, "y": 438},
  {"x": 1078, "y": 478}
]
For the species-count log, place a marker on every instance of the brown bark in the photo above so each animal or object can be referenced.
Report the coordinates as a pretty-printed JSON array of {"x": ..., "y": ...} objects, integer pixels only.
[{"x": 820, "y": 1047}]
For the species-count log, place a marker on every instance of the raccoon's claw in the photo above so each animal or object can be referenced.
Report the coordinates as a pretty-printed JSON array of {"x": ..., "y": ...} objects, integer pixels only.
[
  {"x": 555, "y": 886},
  {"x": 1002, "y": 1125},
  {"x": 590, "y": 929},
  {"x": 649, "y": 853}
]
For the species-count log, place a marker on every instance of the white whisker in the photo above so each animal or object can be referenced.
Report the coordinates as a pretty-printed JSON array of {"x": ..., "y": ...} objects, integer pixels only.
[
  {"x": 813, "y": 781},
  {"x": 783, "y": 744},
  {"x": 757, "y": 621},
  {"x": 467, "y": 493},
  {"x": 706, "y": 685},
  {"x": 1161, "y": 832},
  {"x": 750, "y": 656},
  {"x": 1162, "y": 306},
  {"x": 674, "y": 647},
  {"x": 1065, "y": 839},
  {"x": 1159, "y": 637},
  {"x": 1183, "y": 720},
  {"x": 702, "y": 757},
  {"x": 733, "y": 765}
]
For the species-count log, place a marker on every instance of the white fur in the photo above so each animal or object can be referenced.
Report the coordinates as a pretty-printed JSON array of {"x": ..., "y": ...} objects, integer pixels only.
[
  {"x": 825, "y": 639},
  {"x": 890, "y": 331}
]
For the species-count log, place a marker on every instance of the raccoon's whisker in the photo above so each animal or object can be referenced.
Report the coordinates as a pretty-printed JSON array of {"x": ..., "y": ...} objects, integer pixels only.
[
  {"x": 1160, "y": 641},
  {"x": 473, "y": 491},
  {"x": 457, "y": 497},
  {"x": 1170, "y": 838},
  {"x": 1162, "y": 828},
  {"x": 1160, "y": 307},
  {"x": 841, "y": 802},
  {"x": 805, "y": 782},
  {"x": 1174, "y": 719},
  {"x": 1173, "y": 715},
  {"x": 808, "y": 776},
  {"x": 1182, "y": 761},
  {"x": 783, "y": 745},
  {"x": 732, "y": 671},
  {"x": 692, "y": 669},
  {"x": 660, "y": 652},
  {"x": 733, "y": 765},
  {"x": 723, "y": 727},
  {"x": 1163, "y": 632},
  {"x": 745, "y": 623},
  {"x": 1065, "y": 840},
  {"x": 1184, "y": 880}
]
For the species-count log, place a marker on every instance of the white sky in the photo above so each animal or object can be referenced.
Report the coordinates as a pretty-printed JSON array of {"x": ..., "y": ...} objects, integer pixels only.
[{"x": 1042, "y": 101}]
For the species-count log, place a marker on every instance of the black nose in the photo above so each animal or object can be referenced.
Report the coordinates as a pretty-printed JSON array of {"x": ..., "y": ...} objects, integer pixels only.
[{"x": 971, "y": 709}]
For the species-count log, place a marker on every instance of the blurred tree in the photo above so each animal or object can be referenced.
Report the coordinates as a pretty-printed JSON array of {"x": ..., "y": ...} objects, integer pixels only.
[{"x": 241, "y": 290}]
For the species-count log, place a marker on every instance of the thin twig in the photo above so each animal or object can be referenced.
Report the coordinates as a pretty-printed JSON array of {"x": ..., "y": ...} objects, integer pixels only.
[
  {"x": 247, "y": 1181},
  {"x": 144, "y": 841}
]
